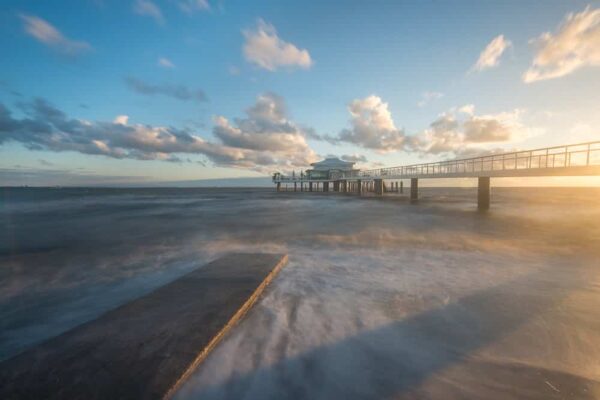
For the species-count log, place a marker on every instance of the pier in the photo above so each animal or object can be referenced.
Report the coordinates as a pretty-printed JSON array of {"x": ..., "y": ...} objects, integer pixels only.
[
  {"x": 146, "y": 348},
  {"x": 582, "y": 159}
]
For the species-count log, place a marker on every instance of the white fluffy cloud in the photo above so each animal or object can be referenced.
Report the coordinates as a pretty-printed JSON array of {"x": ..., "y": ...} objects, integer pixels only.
[
  {"x": 266, "y": 134},
  {"x": 372, "y": 126},
  {"x": 264, "y": 48},
  {"x": 490, "y": 56},
  {"x": 576, "y": 44},
  {"x": 467, "y": 109},
  {"x": 460, "y": 131},
  {"x": 46, "y": 33},
  {"x": 149, "y": 9},
  {"x": 121, "y": 119}
]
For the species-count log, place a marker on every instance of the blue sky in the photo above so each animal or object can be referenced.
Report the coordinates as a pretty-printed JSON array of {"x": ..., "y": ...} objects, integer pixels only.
[{"x": 215, "y": 89}]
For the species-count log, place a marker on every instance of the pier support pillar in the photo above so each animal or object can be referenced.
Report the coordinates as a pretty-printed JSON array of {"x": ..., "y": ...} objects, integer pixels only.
[
  {"x": 326, "y": 186},
  {"x": 483, "y": 193},
  {"x": 414, "y": 189},
  {"x": 401, "y": 187},
  {"x": 295, "y": 184},
  {"x": 359, "y": 187},
  {"x": 302, "y": 186},
  {"x": 344, "y": 186},
  {"x": 378, "y": 186},
  {"x": 310, "y": 186},
  {"x": 336, "y": 186}
]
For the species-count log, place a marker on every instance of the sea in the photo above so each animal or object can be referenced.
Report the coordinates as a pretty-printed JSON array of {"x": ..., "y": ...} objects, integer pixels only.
[{"x": 381, "y": 299}]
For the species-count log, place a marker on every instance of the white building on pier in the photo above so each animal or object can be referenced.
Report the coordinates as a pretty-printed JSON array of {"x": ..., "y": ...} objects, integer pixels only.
[{"x": 330, "y": 168}]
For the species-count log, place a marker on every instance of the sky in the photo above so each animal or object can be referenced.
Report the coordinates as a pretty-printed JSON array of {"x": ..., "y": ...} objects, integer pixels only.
[{"x": 140, "y": 91}]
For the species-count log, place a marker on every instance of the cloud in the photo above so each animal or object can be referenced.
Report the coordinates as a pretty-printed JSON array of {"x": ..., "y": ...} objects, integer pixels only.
[
  {"x": 165, "y": 63},
  {"x": 575, "y": 45},
  {"x": 457, "y": 131},
  {"x": 121, "y": 119},
  {"x": 233, "y": 70},
  {"x": 191, "y": 6},
  {"x": 266, "y": 135},
  {"x": 467, "y": 109},
  {"x": 355, "y": 158},
  {"x": 44, "y": 32},
  {"x": 265, "y": 139},
  {"x": 490, "y": 56},
  {"x": 264, "y": 48},
  {"x": 178, "y": 92},
  {"x": 428, "y": 97},
  {"x": 148, "y": 8},
  {"x": 372, "y": 126},
  {"x": 462, "y": 132}
]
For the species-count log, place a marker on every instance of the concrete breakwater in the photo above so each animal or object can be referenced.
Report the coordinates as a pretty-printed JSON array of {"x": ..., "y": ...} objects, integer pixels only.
[{"x": 147, "y": 347}]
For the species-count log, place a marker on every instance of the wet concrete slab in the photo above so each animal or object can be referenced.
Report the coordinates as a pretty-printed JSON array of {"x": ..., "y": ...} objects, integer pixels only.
[{"x": 146, "y": 348}]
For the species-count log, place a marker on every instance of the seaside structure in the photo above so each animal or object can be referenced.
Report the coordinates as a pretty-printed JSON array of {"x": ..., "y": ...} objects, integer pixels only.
[
  {"x": 147, "y": 348},
  {"x": 582, "y": 159},
  {"x": 330, "y": 169}
]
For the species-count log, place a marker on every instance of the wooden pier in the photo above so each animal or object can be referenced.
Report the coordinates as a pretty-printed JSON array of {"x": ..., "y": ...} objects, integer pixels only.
[
  {"x": 582, "y": 159},
  {"x": 146, "y": 348}
]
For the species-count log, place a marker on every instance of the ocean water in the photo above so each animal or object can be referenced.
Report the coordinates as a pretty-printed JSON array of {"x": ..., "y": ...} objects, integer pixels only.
[{"x": 380, "y": 299}]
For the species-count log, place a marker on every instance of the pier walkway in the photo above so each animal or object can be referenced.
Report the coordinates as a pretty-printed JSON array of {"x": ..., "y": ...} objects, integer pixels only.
[{"x": 582, "y": 159}]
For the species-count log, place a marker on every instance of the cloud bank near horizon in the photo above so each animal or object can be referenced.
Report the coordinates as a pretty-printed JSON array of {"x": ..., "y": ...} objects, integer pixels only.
[
  {"x": 265, "y": 138},
  {"x": 456, "y": 132}
]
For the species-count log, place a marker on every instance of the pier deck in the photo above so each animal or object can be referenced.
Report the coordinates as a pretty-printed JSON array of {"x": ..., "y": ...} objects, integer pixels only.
[
  {"x": 145, "y": 348},
  {"x": 582, "y": 159}
]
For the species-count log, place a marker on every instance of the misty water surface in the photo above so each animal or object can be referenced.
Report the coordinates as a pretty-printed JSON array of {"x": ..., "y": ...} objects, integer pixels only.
[{"x": 380, "y": 299}]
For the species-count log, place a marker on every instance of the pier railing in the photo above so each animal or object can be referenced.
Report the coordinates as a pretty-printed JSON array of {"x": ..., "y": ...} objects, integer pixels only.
[
  {"x": 575, "y": 155},
  {"x": 578, "y": 159}
]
